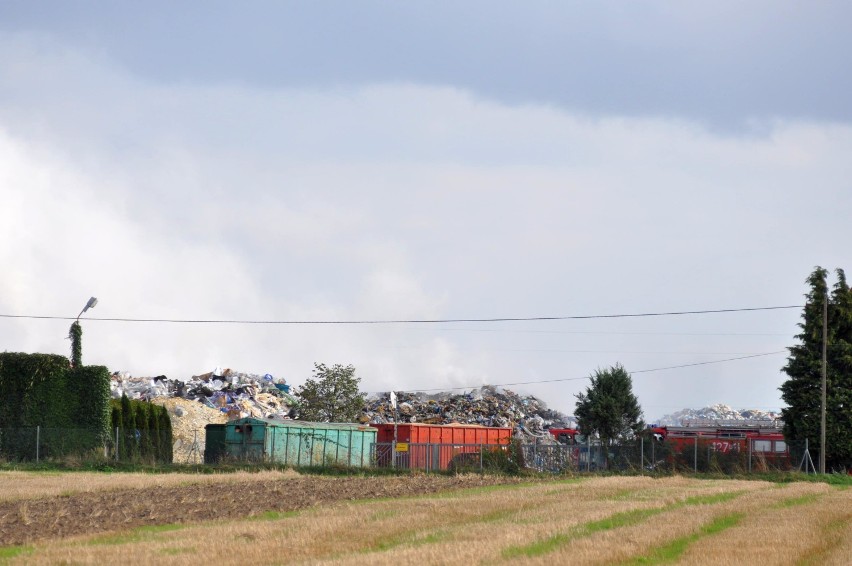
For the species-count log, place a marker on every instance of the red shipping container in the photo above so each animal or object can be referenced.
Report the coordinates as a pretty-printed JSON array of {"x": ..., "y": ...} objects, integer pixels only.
[{"x": 439, "y": 446}]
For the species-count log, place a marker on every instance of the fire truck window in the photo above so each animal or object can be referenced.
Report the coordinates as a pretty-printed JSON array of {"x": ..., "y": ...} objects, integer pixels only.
[
  {"x": 563, "y": 438},
  {"x": 763, "y": 446},
  {"x": 780, "y": 446}
]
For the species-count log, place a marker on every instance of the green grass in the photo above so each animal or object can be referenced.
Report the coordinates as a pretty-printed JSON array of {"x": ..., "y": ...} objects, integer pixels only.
[
  {"x": 623, "y": 519},
  {"x": 411, "y": 538},
  {"x": 795, "y": 501},
  {"x": 711, "y": 499},
  {"x": 674, "y": 549},
  {"x": 548, "y": 545},
  {"x": 8, "y": 552},
  {"x": 274, "y": 515},
  {"x": 138, "y": 534}
]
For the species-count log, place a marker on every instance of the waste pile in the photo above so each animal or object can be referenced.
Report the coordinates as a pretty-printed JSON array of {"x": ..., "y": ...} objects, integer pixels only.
[
  {"x": 718, "y": 412},
  {"x": 487, "y": 406},
  {"x": 188, "y": 421},
  {"x": 213, "y": 397},
  {"x": 233, "y": 393}
]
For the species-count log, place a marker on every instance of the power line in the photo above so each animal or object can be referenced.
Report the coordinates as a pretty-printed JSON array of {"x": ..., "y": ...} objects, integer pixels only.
[
  {"x": 630, "y": 372},
  {"x": 406, "y": 321}
]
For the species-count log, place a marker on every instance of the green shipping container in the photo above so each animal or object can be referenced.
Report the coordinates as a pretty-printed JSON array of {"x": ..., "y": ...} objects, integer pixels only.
[
  {"x": 297, "y": 443},
  {"x": 214, "y": 443}
]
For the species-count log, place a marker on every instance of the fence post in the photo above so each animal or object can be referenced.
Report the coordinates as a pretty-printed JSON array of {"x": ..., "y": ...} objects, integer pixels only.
[
  {"x": 480, "y": 458},
  {"x": 116, "y": 444},
  {"x": 695, "y": 457},
  {"x": 38, "y": 439},
  {"x": 589, "y": 453},
  {"x": 641, "y": 454},
  {"x": 749, "y": 455}
]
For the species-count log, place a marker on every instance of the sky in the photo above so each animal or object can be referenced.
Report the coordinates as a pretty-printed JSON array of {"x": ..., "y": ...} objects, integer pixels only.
[{"x": 385, "y": 161}]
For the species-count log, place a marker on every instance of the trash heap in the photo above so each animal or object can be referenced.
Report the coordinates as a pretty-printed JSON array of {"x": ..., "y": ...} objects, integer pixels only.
[
  {"x": 718, "y": 412},
  {"x": 487, "y": 406},
  {"x": 235, "y": 394},
  {"x": 210, "y": 398}
]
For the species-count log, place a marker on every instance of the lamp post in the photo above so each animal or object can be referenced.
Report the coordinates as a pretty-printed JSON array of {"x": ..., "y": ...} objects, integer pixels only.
[
  {"x": 76, "y": 335},
  {"x": 90, "y": 304}
]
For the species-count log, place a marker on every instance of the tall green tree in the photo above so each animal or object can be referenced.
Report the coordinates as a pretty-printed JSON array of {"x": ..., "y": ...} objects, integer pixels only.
[
  {"x": 609, "y": 408},
  {"x": 331, "y": 395},
  {"x": 802, "y": 390}
]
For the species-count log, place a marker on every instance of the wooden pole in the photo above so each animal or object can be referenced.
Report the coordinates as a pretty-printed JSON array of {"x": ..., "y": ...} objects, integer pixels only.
[{"x": 823, "y": 387}]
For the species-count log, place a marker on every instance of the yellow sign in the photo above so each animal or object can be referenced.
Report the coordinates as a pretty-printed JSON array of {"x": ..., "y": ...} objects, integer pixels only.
[{"x": 402, "y": 447}]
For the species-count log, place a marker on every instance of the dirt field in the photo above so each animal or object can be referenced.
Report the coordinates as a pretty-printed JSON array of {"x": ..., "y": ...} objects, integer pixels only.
[
  {"x": 291, "y": 519},
  {"x": 106, "y": 507}
]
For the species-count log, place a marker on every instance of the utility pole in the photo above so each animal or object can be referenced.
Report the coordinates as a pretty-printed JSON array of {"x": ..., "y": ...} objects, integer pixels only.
[{"x": 823, "y": 393}]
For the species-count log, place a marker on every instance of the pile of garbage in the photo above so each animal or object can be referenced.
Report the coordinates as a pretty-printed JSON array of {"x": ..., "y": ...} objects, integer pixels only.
[
  {"x": 717, "y": 413},
  {"x": 210, "y": 398},
  {"x": 487, "y": 406},
  {"x": 233, "y": 393}
]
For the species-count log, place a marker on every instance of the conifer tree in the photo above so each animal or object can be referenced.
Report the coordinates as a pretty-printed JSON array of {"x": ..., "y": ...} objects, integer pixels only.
[
  {"x": 153, "y": 431},
  {"x": 166, "y": 435},
  {"x": 609, "y": 407},
  {"x": 802, "y": 390},
  {"x": 142, "y": 433},
  {"x": 128, "y": 438}
]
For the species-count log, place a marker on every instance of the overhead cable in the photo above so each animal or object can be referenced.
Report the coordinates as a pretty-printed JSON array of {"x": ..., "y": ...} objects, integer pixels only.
[{"x": 407, "y": 321}]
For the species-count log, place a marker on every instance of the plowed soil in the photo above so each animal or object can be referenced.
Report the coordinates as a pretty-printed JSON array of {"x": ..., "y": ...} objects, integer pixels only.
[{"x": 30, "y": 520}]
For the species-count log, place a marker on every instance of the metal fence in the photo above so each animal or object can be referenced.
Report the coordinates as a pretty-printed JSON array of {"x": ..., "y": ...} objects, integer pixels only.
[
  {"x": 433, "y": 457},
  {"x": 37, "y": 444}
]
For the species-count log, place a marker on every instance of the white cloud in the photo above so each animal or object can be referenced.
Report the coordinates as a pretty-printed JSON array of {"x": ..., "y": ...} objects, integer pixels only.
[{"x": 402, "y": 201}]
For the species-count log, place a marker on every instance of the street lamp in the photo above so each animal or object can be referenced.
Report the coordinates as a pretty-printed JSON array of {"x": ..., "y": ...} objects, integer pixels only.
[
  {"x": 76, "y": 335},
  {"x": 89, "y": 305}
]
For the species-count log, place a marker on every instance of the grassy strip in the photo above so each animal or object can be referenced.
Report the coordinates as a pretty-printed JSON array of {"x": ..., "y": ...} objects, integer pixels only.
[
  {"x": 147, "y": 532},
  {"x": 8, "y": 552},
  {"x": 673, "y": 550},
  {"x": 408, "y": 539},
  {"x": 548, "y": 545},
  {"x": 273, "y": 515},
  {"x": 624, "y": 519},
  {"x": 795, "y": 501}
]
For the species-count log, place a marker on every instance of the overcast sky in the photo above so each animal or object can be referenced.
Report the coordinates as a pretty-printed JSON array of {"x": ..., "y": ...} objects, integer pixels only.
[{"x": 339, "y": 161}]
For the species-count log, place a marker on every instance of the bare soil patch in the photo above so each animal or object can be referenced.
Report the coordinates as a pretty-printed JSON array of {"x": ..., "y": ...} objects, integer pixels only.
[{"x": 28, "y": 520}]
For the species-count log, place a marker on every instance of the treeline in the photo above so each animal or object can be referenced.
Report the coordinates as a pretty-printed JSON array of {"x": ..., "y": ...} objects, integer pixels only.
[{"x": 144, "y": 430}]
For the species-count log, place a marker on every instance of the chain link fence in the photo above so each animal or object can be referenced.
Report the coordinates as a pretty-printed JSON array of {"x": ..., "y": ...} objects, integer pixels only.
[{"x": 36, "y": 444}]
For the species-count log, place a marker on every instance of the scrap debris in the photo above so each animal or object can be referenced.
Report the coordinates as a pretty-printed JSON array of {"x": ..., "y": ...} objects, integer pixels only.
[{"x": 487, "y": 406}]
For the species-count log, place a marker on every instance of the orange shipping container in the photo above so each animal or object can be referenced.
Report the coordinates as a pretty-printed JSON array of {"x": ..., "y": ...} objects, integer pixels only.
[{"x": 438, "y": 446}]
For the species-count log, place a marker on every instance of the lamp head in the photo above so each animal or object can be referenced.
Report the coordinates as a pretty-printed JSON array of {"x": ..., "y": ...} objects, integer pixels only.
[{"x": 91, "y": 304}]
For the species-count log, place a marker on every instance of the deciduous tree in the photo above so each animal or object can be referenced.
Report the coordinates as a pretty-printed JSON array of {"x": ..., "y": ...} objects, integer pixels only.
[{"x": 331, "y": 395}]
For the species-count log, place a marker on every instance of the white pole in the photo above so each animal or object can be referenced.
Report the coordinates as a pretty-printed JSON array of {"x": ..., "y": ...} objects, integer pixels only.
[{"x": 395, "y": 419}]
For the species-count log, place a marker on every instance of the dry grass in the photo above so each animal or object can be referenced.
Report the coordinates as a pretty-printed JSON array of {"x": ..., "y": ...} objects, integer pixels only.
[
  {"x": 593, "y": 521},
  {"x": 32, "y": 485}
]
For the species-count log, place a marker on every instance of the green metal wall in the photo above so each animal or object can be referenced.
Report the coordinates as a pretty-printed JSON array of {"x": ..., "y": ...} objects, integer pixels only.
[{"x": 300, "y": 444}]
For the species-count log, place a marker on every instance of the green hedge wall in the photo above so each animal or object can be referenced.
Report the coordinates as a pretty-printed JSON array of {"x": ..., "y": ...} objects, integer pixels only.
[{"x": 43, "y": 390}]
